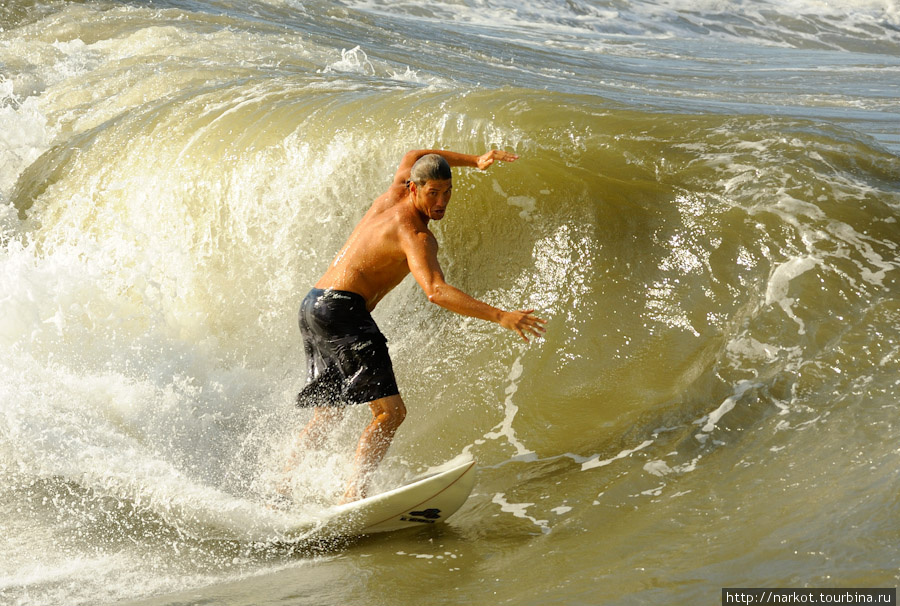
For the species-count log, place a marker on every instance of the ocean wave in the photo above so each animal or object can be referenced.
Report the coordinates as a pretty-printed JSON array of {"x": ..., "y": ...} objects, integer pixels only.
[{"x": 721, "y": 284}]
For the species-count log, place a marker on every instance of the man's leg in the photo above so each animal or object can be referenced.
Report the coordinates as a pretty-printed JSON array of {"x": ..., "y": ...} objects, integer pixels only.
[
  {"x": 388, "y": 414},
  {"x": 312, "y": 436}
]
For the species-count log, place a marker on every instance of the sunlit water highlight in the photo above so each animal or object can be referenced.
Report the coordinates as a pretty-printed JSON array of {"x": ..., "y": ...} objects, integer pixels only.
[{"x": 705, "y": 209}]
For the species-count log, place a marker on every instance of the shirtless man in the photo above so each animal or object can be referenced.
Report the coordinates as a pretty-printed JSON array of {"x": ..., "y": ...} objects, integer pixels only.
[{"x": 347, "y": 355}]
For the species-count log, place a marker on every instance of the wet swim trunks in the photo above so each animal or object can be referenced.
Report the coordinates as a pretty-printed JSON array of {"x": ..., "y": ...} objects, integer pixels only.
[{"x": 346, "y": 355}]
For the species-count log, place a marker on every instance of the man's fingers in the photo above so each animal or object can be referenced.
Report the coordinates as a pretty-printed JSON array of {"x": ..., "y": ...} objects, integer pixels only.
[
  {"x": 530, "y": 323},
  {"x": 524, "y": 323},
  {"x": 485, "y": 161},
  {"x": 528, "y": 314}
]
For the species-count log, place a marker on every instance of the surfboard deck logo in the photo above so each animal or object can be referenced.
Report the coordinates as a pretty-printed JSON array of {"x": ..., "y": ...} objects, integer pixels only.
[{"x": 429, "y": 516}]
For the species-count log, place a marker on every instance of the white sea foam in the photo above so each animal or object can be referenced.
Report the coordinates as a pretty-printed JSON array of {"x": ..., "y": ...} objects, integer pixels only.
[
  {"x": 779, "y": 282},
  {"x": 353, "y": 60},
  {"x": 25, "y": 135},
  {"x": 596, "y": 461},
  {"x": 148, "y": 346},
  {"x": 520, "y": 510},
  {"x": 504, "y": 429},
  {"x": 710, "y": 421}
]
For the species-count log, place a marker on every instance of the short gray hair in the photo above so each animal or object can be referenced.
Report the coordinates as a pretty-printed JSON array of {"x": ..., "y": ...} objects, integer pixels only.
[{"x": 431, "y": 167}]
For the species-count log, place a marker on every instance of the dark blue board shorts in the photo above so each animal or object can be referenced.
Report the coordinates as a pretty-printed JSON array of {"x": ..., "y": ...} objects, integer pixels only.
[{"x": 347, "y": 357}]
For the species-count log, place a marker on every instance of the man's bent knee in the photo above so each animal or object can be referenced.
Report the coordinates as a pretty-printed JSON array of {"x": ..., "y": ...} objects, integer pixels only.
[
  {"x": 391, "y": 410},
  {"x": 399, "y": 414}
]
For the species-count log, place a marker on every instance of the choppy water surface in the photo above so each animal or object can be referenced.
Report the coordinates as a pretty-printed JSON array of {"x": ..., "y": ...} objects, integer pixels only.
[{"x": 705, "y": 209}]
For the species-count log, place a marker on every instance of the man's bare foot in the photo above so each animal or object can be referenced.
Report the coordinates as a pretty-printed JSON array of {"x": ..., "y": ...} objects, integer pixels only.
[{"x": 353, "y": 493}]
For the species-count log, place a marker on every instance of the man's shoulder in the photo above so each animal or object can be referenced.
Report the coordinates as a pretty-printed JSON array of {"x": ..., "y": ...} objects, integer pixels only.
[
  {"x": 396, "y": 217},
  {"x": 396, "y": 191},
  {"x": 409, "y": 217},
  {"x": 410, "y": 225}
]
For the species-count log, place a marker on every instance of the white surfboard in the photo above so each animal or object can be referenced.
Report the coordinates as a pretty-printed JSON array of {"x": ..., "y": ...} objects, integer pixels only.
[{"x": 426, "y": 500}]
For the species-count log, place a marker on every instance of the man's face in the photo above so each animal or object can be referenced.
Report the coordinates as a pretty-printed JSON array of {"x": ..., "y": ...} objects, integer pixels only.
[{"x": 433, "y": 197}]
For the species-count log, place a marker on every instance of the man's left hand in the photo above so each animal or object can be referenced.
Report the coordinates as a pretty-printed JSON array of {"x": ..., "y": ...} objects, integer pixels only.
[{"x": 486, "y": 160}]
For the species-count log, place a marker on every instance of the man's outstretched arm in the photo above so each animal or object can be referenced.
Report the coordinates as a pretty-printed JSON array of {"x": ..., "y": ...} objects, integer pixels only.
[
  {"x": 421, "y": 252},
  {"x": 482, "y": 162}
]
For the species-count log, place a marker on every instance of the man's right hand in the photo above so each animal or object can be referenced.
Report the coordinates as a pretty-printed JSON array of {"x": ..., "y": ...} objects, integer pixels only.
[{"x": 524, "y": 322}]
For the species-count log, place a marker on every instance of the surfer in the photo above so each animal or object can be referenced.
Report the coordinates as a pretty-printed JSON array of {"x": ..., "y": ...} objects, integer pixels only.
[{"x": 347, "y": 356}]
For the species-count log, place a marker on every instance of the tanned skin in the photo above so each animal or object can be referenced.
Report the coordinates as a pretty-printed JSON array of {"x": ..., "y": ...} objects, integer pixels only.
[{"x": 390, "y": 241}]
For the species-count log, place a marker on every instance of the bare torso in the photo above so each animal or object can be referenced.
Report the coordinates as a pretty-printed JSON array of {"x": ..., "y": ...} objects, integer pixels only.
[
  {"x": 372, "y": 262},
  {"x": 393, "y": 240}
]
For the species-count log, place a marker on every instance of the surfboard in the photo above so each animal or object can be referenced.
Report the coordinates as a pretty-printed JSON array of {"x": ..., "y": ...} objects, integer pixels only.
[{"x": 427, "y": 500}]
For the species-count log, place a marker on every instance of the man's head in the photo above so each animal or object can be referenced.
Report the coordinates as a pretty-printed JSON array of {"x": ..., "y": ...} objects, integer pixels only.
[
  {"x": 431, "y": 183},
  {"x": 431, "y": 167}
]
